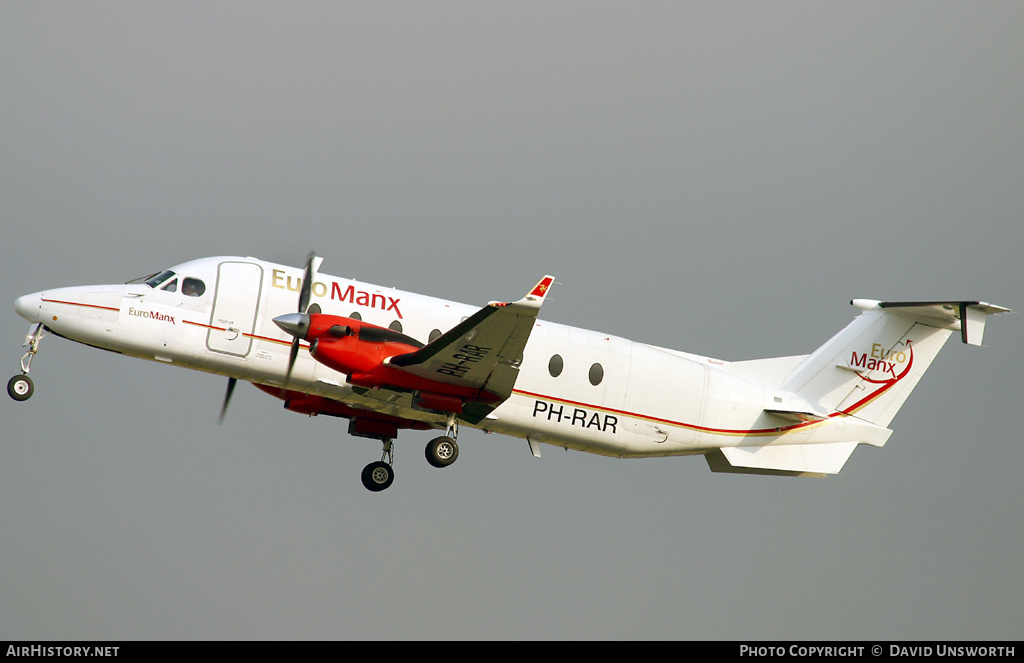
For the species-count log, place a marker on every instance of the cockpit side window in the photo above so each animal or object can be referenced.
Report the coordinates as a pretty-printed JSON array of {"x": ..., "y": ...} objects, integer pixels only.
[
  {"x": 172, "y": 286},
  {"x": 192, "y": 287}
]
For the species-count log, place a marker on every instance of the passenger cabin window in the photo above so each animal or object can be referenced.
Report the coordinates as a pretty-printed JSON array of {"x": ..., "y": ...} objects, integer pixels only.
[
  {"x": 555, "y": 366},
  {"x": 596, "y": 374}
]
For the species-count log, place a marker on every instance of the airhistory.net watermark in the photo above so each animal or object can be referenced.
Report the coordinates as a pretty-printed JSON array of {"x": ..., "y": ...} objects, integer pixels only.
[{"x": 61, "y": 651}]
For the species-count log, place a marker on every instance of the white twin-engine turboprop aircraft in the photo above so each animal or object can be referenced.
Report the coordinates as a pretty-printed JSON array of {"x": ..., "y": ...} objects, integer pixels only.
[{"x": 386, "y": 359}]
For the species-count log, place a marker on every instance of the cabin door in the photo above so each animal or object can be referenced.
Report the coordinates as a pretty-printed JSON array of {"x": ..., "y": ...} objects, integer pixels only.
[{"x": 235, "y": 305}]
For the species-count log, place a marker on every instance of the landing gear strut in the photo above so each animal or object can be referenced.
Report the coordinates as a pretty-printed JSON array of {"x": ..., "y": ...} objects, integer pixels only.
[
  {"x": 443, "y": 451},
  {"x": 380, "y": 475},
  {"x": 20, "y": 387}
]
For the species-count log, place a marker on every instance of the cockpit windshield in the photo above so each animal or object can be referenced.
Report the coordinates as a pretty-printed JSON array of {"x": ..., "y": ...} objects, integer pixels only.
[
  {"x": 153, "y": 280},
  {"x": 167, "y": 281}
]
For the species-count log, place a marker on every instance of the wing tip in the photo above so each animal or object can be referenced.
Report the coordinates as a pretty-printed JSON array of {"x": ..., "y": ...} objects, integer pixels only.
[
  {"x": 541, "y": 289},
  {"x": 534, "y": 298}
]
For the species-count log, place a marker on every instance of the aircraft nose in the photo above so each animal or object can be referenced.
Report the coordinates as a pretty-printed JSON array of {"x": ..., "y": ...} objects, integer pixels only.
[
  {"x": 296, "y": 324},
  {"x": 30, "y": 306}
]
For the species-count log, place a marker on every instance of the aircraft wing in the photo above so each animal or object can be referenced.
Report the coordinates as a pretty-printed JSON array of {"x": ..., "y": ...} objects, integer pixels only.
[{"x": 482, "y": 353}]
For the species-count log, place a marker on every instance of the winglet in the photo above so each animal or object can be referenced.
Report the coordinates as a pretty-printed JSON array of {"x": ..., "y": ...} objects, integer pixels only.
[
  {"x": 540, "y": 291},
  {"x": 534, "y": 298}
]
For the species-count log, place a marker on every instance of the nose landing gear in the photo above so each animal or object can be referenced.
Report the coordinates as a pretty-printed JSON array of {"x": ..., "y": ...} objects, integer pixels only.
[{"x": 20, "y": 387}]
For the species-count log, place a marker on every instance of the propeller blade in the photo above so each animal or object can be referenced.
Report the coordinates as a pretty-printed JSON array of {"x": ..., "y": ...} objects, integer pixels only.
[
  {"x": 296, "y": 324},
  {"x": 227, "y": 399},
  {"x": 307, "y": 283},
  {"x": 292, "y": 356}
]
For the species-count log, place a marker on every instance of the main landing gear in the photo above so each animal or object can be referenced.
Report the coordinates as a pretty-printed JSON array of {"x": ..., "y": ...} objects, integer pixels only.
[
  {"x": 443, "y": 451},
  {"x": 20, "y": 387},
  {"x": 440, "y": 452},
  {"x": 380, "y": 475}
]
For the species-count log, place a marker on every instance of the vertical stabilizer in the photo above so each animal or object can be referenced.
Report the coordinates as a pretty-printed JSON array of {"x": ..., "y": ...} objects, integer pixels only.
[{"x": 869, "y": 368}]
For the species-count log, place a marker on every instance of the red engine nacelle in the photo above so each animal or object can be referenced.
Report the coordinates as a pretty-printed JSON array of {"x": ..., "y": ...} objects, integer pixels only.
[
  {"x": 354, "y": 347},
  {"x": 359, "y": 350}
]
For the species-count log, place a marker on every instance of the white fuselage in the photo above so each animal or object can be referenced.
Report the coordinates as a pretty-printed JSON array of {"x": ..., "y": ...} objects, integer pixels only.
[{"x": 577, "y": 389}]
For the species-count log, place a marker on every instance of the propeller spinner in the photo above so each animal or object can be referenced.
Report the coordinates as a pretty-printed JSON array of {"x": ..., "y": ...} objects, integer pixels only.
[{"x": 292, "y": 322}]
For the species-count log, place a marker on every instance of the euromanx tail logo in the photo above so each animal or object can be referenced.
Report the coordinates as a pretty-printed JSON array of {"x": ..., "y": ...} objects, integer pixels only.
[
  {"x": 881, "y": 360},
  {"x": 887, "y": 363}
]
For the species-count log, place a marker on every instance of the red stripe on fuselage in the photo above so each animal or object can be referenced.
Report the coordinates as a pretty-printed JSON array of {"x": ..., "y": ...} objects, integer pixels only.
[
  {"x": 58, "y": 301},
  {"x": 725, "y": 431}
]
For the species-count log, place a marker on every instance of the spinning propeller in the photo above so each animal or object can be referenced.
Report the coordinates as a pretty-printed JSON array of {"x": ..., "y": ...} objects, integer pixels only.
[
  {"x": 295, "y": 324},
  {"x": 227, "y": 399}
]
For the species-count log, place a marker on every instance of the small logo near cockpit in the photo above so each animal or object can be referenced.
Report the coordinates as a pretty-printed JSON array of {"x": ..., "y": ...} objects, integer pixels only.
[{"x": 150, "y": 315}]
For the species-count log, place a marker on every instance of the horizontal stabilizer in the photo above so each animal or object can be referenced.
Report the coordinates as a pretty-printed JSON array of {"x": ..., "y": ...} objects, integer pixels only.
[
  {"x": 792, "y": 460},
  {"x": 967, "y": 317}
]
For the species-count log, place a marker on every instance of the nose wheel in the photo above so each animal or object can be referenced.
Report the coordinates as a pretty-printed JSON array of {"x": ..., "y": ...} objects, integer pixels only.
[{"x": 20, "y": 387}]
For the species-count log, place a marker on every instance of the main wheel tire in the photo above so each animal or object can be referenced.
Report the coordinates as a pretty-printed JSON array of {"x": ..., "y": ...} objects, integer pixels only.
[
  {"x": 20, "y": 387},
  {"x": 442, "y": 451},
  {"x": 378, "y": 476}
]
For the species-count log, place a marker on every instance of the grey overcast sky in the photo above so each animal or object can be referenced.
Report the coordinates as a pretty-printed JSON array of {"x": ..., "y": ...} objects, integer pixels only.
[{"x": 716, "y": 177}]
